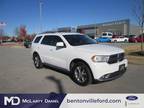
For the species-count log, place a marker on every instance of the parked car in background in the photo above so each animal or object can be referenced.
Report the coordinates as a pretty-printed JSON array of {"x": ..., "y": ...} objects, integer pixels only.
[
  {"x": 136, "y": 39},
  {"x": 128, "y": 36},
  {"x": 119, "y": 39},
  {"x": 107, "y": 34},
  {"x": 27, "y": 43},
  {"x": 132, "y": 35},
  {"x": 103, "y": 39}
]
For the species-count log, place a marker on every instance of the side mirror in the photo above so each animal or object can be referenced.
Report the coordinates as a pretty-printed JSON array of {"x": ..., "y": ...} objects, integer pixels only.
[{"x": 60, "y": 45}]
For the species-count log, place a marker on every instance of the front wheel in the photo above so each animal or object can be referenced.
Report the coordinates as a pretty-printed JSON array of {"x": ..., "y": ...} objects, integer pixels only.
[
  {"x": 37, "y": 61},
  {"x": 81, "y": 74}
]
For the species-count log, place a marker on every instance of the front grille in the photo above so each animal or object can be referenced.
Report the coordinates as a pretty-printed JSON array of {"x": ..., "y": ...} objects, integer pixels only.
[{"x": 116, "y": 58}]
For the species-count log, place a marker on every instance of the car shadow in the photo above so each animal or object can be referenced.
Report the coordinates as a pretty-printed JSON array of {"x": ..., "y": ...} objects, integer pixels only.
[{"x": 57, "y": 82}]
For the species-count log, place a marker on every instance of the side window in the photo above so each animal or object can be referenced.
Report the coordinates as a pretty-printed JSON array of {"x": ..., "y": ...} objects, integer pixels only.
[
  {"x": 37, "y": 39},
  {"x": 51, "y": 40},
  {"x": 110, "y": 34}
]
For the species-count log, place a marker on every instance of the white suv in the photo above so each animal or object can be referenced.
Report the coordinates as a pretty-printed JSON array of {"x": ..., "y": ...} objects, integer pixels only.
[{"x": 80, "y": 55}]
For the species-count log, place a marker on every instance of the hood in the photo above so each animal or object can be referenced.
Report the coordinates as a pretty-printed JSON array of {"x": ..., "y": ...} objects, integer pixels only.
[{"x": 99, "y": 49}]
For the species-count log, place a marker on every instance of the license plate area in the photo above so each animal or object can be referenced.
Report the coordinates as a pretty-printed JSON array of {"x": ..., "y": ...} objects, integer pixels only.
[{"x": 122, "y": 67}]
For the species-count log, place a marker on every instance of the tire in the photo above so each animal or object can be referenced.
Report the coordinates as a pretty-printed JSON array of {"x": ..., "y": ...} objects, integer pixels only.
[
  {"x": 26, "y": 46},
  {"x": 81, "y": 74},
  {"x": 37, "y": 61},
  {"x": 125, "y": 40},
  {"x": 135, "y": 41},
  {"x": 115, "y": 41}
]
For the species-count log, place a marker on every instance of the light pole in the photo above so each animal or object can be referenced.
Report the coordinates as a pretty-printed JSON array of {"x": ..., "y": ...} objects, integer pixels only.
[
  {"x": 142, "y": 24},
  {"x": 40, "y": 14},
  {"x": 95, "y": 28},
  {"x": 2, "y": 25}
]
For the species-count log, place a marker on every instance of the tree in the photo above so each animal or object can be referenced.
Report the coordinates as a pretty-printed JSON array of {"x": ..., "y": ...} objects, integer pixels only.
[
  {"x": 21, "y": 33},
  {"x": 139, "y": 13}
]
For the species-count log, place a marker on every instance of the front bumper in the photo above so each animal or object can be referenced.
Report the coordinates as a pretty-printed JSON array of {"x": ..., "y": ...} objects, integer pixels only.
[
  {"x": 105, "y": 71},
  {"x": 114, "y": 75}
]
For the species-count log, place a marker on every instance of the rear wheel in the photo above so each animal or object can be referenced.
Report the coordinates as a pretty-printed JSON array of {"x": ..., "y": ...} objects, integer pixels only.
[
  {"x": 115, "y": 41},
  {"x": 37, "y": 61},
  {"x": 125, "y": 40},
  {"x": 135, "y": 41},
  {"x": 81, "y": 74},
  {"x": 29, "y": 45}
]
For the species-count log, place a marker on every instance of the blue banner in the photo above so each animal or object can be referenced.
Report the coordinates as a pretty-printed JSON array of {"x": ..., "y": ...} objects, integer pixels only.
[{"x": 51, "y": 100}]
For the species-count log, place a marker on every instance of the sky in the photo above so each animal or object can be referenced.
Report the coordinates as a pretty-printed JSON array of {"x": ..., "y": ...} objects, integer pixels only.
[{"x": 61, "y": 13}]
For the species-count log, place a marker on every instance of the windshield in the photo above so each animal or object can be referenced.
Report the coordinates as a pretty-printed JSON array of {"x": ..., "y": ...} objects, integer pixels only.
[
  {"x": 104, "y": 34},
  {"x": 76, "y": 40}
]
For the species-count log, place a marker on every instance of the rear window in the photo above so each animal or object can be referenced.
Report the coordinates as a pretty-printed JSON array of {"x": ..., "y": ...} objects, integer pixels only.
[
  {"x": 37, "y": 39},
  {"x": 51, "y": 40}
]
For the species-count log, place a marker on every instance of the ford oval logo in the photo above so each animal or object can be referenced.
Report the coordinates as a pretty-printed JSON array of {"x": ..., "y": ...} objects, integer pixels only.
[{"x": 131, "y": 98}]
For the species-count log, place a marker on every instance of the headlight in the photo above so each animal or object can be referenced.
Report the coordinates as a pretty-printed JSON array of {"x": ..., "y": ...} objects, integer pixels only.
[{"x": 100, "y": 58}]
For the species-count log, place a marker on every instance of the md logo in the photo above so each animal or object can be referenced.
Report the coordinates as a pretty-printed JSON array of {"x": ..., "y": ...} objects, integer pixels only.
[{"x": 11, "y": 100}]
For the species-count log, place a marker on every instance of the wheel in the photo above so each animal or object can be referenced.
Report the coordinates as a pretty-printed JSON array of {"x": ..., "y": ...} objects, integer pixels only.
[
  {"x": 115, "y": 41},
  {"x": 81, "y": 74},
  {"x": 37, "y": 61},
  {"x": 26, "y": 46},
  {"x": 29, "y": 46},
  {"x": 135, "y": 41},
  {"x": 125, "y": 40}
]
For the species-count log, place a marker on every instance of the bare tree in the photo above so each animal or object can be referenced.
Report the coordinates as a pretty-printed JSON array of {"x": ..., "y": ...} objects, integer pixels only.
[{"x": 139, "y": 13}]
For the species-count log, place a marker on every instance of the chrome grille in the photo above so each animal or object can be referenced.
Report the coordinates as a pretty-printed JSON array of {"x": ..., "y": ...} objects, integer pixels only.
[{"x": 116, "y": 58}]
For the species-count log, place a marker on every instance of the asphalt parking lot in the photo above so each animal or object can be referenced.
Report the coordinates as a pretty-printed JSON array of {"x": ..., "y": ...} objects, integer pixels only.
[{"x": 18, "y": 75}]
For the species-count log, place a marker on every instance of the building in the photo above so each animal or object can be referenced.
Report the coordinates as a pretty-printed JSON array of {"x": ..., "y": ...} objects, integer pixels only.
[
  {"x": 62, "y": 29},
  {"x": 119, "y": 27},
  {"x": 66, "y": 29},
  {"x": 134, "y": 29}
]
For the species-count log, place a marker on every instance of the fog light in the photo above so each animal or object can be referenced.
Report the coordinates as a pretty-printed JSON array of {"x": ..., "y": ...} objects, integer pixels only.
[{"x": 107, "y": 76}]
